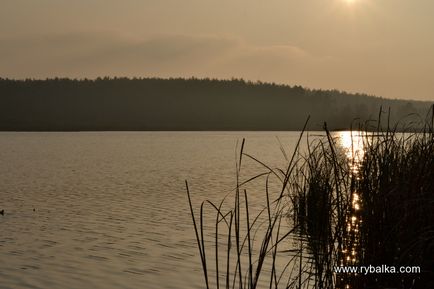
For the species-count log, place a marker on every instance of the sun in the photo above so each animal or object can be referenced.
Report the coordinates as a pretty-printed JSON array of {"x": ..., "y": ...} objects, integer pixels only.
[{"x": 349, "y": 2}]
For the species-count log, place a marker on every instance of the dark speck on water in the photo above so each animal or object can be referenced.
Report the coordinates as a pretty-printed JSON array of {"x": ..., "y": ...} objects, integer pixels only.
[{"x": 70, "y": 236}]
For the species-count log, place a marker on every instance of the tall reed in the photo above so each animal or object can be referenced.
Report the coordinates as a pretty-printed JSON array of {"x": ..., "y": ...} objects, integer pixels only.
[
  {"x": 312, "y": 225},
  {"x": 397, "y": 194}
]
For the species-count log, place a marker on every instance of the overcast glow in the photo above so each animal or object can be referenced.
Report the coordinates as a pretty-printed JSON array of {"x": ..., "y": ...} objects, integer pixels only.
[{"x": 378, "y": 47}]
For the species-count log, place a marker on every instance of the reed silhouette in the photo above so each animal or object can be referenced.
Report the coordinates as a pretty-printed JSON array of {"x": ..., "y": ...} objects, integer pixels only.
[{"x": 373, "y": 212}]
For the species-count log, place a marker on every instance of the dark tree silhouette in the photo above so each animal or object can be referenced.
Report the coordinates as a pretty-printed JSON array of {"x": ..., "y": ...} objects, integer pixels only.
[{"x": 62, "y": 104}]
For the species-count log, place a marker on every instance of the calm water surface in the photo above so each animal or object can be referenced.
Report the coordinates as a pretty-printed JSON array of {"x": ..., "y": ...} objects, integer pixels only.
[{"x": 109, "y": 209}]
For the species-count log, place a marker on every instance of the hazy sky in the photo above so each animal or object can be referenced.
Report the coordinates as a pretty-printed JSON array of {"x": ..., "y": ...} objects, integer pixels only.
[{"x": 382, "y": 47}]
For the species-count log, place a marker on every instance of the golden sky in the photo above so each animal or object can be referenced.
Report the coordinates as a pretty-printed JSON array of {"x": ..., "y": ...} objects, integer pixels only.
[{"x": 381, "y": 47}]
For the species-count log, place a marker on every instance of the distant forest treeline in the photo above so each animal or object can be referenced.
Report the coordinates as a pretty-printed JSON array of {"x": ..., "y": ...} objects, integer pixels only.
[{"x": 184, "y": 104}]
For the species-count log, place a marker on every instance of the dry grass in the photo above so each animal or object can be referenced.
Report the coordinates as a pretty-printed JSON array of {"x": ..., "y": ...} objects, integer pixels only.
[{"x": 395, "y": 182}]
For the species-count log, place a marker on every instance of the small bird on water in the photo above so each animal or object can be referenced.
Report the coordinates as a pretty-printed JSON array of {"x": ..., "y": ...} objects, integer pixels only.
[{"x": 2, "y": 212}]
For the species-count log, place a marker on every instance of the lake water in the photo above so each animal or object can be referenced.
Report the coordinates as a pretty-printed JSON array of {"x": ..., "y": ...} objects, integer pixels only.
[{"x": 109, "y": 209}]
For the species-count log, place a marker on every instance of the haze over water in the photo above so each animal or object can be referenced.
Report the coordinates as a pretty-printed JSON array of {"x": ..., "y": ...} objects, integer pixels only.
[{"x": 110, "y": 208}]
